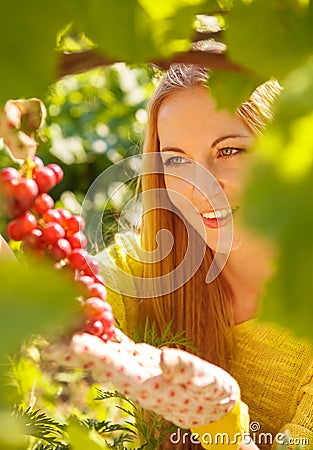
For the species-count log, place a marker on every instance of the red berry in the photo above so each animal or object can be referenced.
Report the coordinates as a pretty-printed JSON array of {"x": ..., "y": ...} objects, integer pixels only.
[
  {"x": 83, "y": 283},
  {"x": 62, "y": 249},
  {"x": 7, "y": 187},
  {"x": 42, "y": 203},
  {"x": 33, "y": 239},
  {"x": 78, "y": 260},
  {"x": 26, "y": 192},
  {"x": 92, "y": 268},
  {"x": 95, "y": 328},
  {"x": 45, "y": 179},
  {"x": 38, "y": 162},
  {"x": 98, "y": 279},
  {"x": 74, "y": 224},
  {"x": 65, "y": 215},
  {"x": 78, "y": 240},
  {"x": 12, "y": 207},
  {"x": 26, "y": 222},
  {"x": 57, "y": 171},
  {"x": 52, "y": 215},
  {"x": 107, "y": 319},
  {"x": 14, "y": 231},
  {"x": 108, "y": 334},
  {"x": 98, "y": 290},
  {"x": 9, "y": 173},
  {"x": 94, "y": 308},
  {"x": 52, "y": 233}
]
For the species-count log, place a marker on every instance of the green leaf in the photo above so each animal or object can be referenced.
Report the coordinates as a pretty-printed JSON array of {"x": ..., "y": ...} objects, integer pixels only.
[
  {"x": 231, "y": 89},
  {"x": 288, "y": 143},
  {"x": 81, "y": 439},
  {"x": 281, "y": 209},
  {"x": 11, "y": 437},
  {"x": 167, "y": 8},
  {"x": 32, "y": 301},
  {"x": 279, "y": 199},
  {"x": 28, "y": 59},
  {"x": 138, "y": 30},
  {"x": 279, "y": 204},
  {"x": 271, "y": 37},
  {"x": 296, "y": 99}
]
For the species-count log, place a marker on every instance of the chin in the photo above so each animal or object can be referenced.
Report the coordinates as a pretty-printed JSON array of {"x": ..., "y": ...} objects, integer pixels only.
[
  {"x": 231, "y": 245},
  {"x": 237, "y": 244}
]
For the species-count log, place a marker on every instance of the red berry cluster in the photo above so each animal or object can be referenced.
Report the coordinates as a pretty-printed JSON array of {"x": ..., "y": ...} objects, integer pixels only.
[{"x": 45, "y": 230}]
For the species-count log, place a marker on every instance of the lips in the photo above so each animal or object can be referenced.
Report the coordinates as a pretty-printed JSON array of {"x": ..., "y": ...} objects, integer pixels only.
[{"x": 218, "y": 217}]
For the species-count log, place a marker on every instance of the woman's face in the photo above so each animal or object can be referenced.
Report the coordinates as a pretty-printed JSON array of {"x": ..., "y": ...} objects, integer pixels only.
[{"x": 199, "y": 145}]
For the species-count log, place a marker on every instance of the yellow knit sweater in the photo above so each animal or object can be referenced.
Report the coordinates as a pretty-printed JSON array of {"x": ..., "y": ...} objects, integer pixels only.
[{"x": 272, "y": 368}]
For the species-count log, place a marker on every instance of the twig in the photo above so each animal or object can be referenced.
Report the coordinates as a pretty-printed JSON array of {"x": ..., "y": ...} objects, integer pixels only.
[{"x": 71, "y": 63}]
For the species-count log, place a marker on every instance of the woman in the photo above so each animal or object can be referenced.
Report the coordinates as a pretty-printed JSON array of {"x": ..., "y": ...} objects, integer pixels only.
[
  {"x": 191, "y": 144},
  {"x": 275, "y": 372}
]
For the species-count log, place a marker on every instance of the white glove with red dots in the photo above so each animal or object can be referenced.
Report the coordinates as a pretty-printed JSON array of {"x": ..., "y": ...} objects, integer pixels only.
[{"x": 178, "y": 386}]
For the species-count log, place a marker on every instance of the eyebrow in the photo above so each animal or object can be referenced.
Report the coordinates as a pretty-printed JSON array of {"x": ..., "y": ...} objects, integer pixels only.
[{"x": 214, "y": 143}]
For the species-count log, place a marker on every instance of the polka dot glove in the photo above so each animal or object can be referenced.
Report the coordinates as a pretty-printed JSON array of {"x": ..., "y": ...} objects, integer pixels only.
[{"x": 181, "y": 387}]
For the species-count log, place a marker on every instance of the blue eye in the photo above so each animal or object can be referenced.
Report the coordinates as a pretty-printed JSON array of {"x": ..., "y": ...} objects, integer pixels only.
[{"x": 175, "y": 161}]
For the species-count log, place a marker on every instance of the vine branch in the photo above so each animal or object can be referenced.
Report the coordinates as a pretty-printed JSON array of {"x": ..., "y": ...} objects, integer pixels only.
[{"x": 77, "y": 62}]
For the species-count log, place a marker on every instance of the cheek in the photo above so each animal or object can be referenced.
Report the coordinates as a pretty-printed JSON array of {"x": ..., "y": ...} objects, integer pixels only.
[
  {"x": 179, "y": 192},
  {"x": 232, "y": 182},
  {"x": 176, "y": 184},
  {"x": 235, "y": 178}
]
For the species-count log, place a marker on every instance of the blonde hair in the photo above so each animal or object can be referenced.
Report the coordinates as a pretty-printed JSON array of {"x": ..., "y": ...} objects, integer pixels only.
[{"x": 203, "y": 310}]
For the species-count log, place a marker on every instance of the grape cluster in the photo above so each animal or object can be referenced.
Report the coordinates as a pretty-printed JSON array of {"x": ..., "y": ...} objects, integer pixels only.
[{"x": 46, "y": 230}]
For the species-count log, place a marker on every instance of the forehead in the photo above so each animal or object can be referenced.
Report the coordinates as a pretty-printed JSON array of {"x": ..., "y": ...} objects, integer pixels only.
[{"x": 191, "y": 114}]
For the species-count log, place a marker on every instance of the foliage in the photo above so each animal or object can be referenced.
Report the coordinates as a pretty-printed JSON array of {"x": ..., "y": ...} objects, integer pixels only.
[
  {"x": 127, "y": 30},
  {"x": 97, "y": 118},
  {"x": 39, "y": 425},
  {"x": 149, "y": 334},
  {"x": 94, "y": 120},
  {"x": 150, "y": 426},
  {"x": 280, "y": 206},
  {"x": 60, "y": 409},
  {"x": 50, "y": 434}
]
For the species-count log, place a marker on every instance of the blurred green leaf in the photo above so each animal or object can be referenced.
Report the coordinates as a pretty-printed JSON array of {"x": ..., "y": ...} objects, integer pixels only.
[
  {"x": 282, "y": 210},
  {"x": 81, "y": 438},
  {"x": 230, "y": 89},
  {"x": 296, "y": 99},
  {"x": 288, "y": 143},
  {"x": 139, "y": 30},
  {"x": 11, "y": 437},
  {"x": 34, "y": 300},
  {"x": 31, "y": 300},
  {"x": 125, "y": 30},
  {"x": 279, "y": 201},
  {"x": 28, "y": 59},
  {"x": 271, "y": 37},
  {"x": 167, "y": 8}
]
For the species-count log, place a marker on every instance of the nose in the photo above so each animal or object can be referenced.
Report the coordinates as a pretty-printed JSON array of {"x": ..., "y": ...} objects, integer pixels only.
[{"x": 205, "y": 185}]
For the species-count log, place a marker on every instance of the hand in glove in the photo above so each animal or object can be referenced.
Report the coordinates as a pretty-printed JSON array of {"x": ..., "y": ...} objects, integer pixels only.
[{"x": 181, "y": 387}]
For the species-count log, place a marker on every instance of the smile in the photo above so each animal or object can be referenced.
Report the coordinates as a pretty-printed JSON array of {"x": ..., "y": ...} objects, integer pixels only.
[{"x": 217, "y": 218}]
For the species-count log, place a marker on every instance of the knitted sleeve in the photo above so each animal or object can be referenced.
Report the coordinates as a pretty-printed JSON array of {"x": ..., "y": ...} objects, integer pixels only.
[{"x": 299, "y": 432}]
